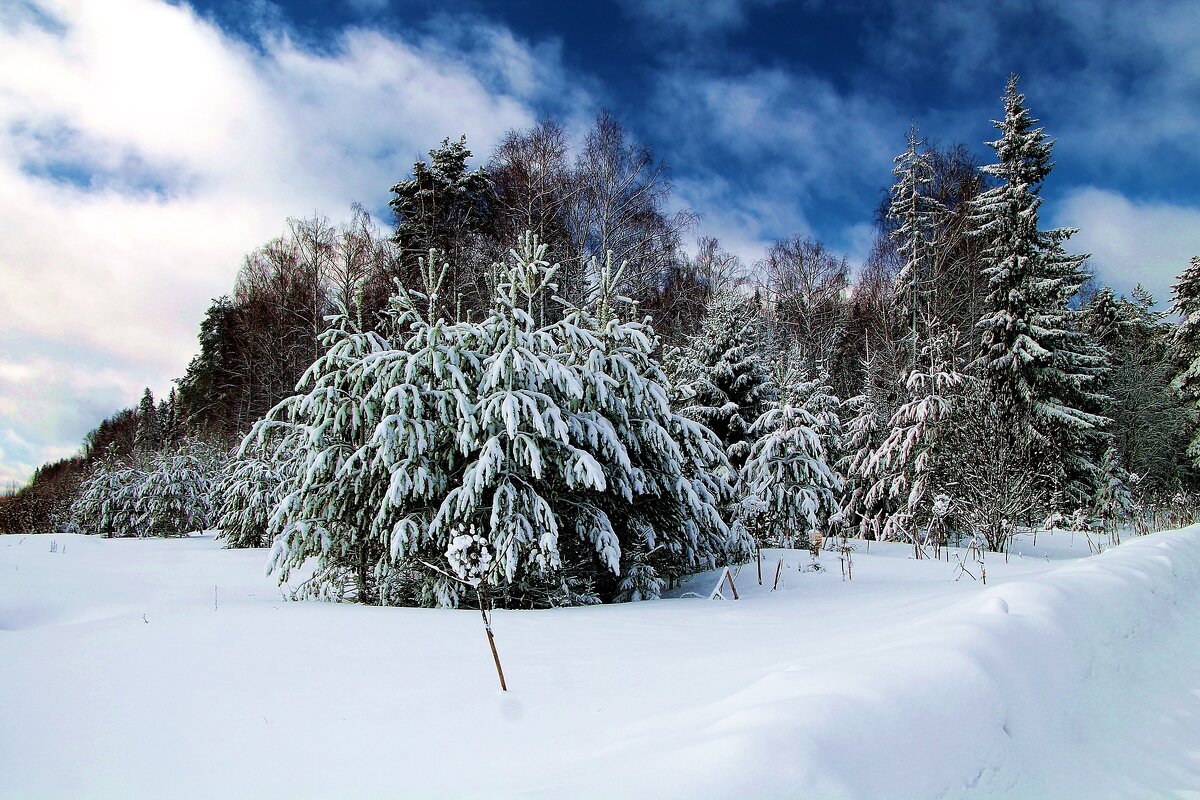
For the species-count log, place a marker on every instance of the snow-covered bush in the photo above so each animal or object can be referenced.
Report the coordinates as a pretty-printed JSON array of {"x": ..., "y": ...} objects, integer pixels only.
[
  {"x": 163, "y": 493},
  {"x": 175, "y": 496},
  {"x": 107, "y": 500}
]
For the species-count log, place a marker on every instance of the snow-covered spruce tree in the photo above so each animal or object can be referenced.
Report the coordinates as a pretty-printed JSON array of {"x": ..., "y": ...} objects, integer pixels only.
[
  {"x": 552, "y": 441},
  {"x": 721, "y": 381},
  {"x": 176, "y": 494},
  {"x": 1187, "y": 342},
  {"x": 917, "y": 216},
  {"x": 814, "y": 398},
  {"x": 917, "y": 460},
  {"x": 1114, "y": 503},
  {"x": 789, "y": 491},
  {"x": 108, "y": 498},
  {"x": 149, "y": 432},
  {"x": 866, "y": 416},
  {"x": 1039, "y": 367}
]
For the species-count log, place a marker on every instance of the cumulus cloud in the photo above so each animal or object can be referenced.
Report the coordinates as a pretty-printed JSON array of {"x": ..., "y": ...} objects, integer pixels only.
[
  {"x": 143, "y": 150},
  {"x": 1131, "y": 242}
]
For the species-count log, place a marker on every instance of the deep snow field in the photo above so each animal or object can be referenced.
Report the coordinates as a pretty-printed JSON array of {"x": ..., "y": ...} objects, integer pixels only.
[{"x": 1067, "y": 676}]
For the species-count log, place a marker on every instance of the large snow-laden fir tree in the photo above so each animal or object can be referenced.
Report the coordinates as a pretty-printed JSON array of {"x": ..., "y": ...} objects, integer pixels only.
[
  {"x": 721, "y": 380},
  {"x": 1040, "y": 369},
  {"x": 547, "y": 435}
]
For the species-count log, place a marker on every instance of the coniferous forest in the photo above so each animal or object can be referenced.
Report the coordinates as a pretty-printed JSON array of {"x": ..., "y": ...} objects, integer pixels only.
[{"x": 537, "y": 389}]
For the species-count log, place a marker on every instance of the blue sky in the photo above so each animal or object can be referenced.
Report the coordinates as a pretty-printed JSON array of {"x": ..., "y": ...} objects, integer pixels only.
[{"x": 145, "y": 146}]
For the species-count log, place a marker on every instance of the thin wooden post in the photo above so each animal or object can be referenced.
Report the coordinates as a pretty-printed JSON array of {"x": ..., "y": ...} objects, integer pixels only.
[
  {"x": 778, "y": 572},
  {"x": 729, "y": 577},
  {"x": 487, "y": 626}
]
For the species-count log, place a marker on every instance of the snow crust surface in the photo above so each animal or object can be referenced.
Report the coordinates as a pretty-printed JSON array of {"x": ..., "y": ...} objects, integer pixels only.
[{"x": 173, "y": 668}]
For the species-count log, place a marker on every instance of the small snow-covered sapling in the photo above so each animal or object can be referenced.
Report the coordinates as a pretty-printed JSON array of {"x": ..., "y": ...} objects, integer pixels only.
[{"x": 471, "y": 560}]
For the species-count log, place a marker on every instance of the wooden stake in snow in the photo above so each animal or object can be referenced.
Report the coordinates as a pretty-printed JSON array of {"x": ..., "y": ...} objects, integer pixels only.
[
  {"x": 726, "y": 575},
  {"x": 485, "y": 603},
  {"x": 778, "y": 572}
]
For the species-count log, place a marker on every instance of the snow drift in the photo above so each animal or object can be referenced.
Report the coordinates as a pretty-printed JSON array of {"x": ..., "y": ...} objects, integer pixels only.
[{"x": 154, "y": 668}]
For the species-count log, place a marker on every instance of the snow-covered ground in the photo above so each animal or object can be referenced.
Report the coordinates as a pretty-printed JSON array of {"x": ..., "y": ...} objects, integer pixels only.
[{"x": 123, "y": 676}]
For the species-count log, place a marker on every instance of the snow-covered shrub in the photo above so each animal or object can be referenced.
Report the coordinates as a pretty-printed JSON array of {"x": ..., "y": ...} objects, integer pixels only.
[
  {"x": 162, "y": 493},
  {"x": 175, "y": 496},
  {"x": 107, "y": 500}
]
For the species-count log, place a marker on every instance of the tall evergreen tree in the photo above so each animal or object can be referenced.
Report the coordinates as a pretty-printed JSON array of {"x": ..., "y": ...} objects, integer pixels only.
[
  {"x": 168, "y": 418},
  {"x": 1039, "y": 368},
  {"x": 1187, "y": 342},
  {"x": 916, "y": 214},
  {"x": 448, "y": 207},
  {"x": 149, "y": 431}
]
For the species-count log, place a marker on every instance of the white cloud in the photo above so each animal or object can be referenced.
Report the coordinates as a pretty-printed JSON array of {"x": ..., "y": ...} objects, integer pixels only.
[
  {"x": 143, "y": 151},
  {"x": 1131, "y": 242},
  {"x": 779, "y": 145}
]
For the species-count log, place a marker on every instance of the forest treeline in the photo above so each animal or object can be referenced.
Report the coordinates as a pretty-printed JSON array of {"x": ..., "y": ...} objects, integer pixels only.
[{"x": 971, "y": 377}]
